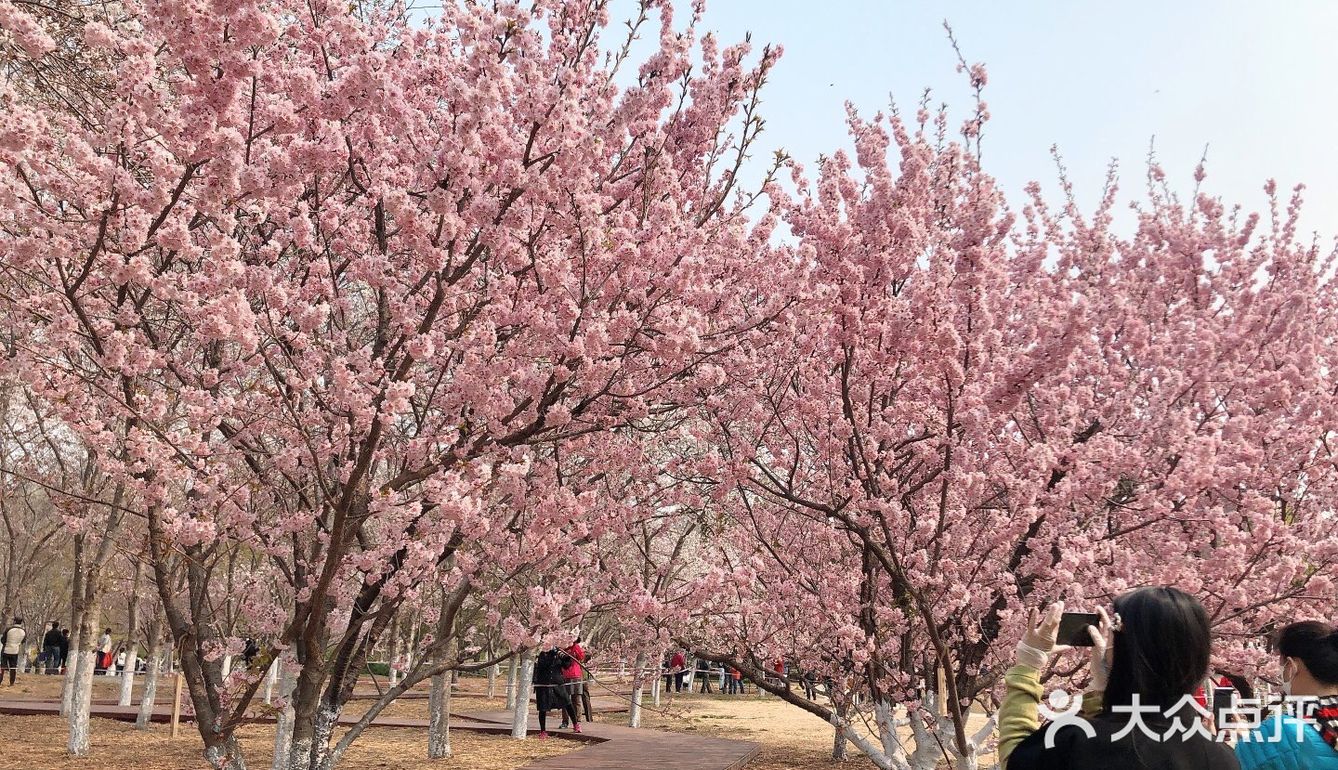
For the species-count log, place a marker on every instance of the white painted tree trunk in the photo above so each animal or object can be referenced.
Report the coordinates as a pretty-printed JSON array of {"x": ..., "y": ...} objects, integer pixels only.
[
  {"x": 67, "y": 687},
  {"x": 840, "y": 743},
  {"x": 655, "y": 688},
  {"x": 511, "y": 676},
  {"x": 283, "y": 726},
  {"x": 155, "y": 661},
  {"x": 439, "y": 718},
  {"x": 520, "y": 714},
  {"x": 492, "y": 681},
  {"x": 227, "y": 666},
  {"x": 81, "y": 699},
  {"x": 638, "y": 688},
  {"x": 392, "y": 675},
  {"x": 128, "y": 676},
  {"x": 271, "y": 677}
]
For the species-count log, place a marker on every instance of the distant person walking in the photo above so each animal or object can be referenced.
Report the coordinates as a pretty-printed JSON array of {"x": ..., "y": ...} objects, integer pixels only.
[
  {"x": 678, "y": 666},
  {"x": 733, "y": 679},
  {"x": 64, "y": 648},
  {"x": 51, "y": 644},
  {"x": 704, "y": 669},
  {"x": 104, "y": 660},
  {"x": 12, "y": 648},
  {"x": 573, "y": 678}
]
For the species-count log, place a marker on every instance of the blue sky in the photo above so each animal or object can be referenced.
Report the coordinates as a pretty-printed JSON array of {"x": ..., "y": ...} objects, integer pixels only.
[{"x": 1251, "y": 80}]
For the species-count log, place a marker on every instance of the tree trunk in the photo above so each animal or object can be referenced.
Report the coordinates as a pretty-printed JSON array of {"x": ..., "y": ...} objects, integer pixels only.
[
  {"x": 511, "y": 681},
  {"x": 520, "y": 714},
  {"x": 155, "y": 662},
  {"x": 392, "y": 674},
  {"x": 67, "y": 687},
  {"x": 283, "y": 726},
  {"x": 439, "y": 718},
  {"x": 81, "y": 689},
  {"x": 638, "y": 687},
  {"x": 840, "y": 743},
  {"x": 271, "y": 676},
  {"x": 492, "y": 681},
  {"x": 132, "y": 635},
  {"x": 439, "y": 702}
]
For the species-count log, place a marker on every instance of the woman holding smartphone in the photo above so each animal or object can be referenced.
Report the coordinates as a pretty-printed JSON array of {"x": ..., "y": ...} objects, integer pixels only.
[
  {"x": 1309, "y": 653},
  {"x": 1151, "y": 659}
]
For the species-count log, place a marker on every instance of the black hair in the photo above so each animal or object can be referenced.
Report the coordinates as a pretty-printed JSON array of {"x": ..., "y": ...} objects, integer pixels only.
[
  {"x": 1162, "y": 650},
  {"x": 1313, "y": 643}
]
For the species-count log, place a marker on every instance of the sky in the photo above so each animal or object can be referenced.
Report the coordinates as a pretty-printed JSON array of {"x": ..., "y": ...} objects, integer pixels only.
[{"x": 1250, "y": 81}]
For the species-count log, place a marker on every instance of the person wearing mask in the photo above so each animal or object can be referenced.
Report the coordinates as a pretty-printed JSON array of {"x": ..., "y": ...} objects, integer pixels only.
[
  {"x": 573, "y": 678},
  {"x": 1153, "y": 655},
  {"x": 12, "y": 647},
  {"x": 51, "y": 648},
  {"x": 550, "y": 690},
  {"x": 1307, "y": 740}
]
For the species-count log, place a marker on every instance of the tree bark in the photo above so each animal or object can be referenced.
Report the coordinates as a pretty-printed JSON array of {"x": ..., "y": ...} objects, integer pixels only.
[
  {"x": 81, "y": 688},
  {"x": 271, "y": 676},
  {"x": 512, "y": 670},
  {"x": 439, "y": 702},
  {"x": 638, "y": 688},
  {"x": 283, "y": 726},
  {"x": 132, "y": 636},
  {"x": 520, "y": 714},
  {"x": 492, "y": 681},
  {"x": 439, "y": 718},
  {"x": 392, "y": 674},
  {"x": 155, "y": 662},
  {"x": 840, "y": 743}
]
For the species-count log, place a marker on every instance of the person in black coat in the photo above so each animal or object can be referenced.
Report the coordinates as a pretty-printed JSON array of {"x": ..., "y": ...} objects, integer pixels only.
[
  {"x": 64, "y": 648},
  {"x": 51, "y": 648},
  {"x": 550, "y": 691},
  {"x": 1152, "y": 656}
]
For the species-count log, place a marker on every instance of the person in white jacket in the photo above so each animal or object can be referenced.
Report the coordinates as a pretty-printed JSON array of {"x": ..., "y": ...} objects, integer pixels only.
[{"x": 10, "y": 649}]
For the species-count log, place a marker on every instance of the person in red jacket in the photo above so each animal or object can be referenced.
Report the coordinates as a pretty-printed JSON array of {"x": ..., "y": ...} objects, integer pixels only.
[
  {"x": 573, "y": 675},
  {"x": 678, "y": 666}
]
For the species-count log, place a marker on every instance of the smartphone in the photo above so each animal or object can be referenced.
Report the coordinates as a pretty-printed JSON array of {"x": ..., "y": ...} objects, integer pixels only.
[
  {"x": 1073, "y": 628},
  {"x": 1222, "y": 703}
]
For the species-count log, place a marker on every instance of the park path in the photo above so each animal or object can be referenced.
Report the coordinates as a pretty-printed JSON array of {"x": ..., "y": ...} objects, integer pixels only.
[{"x": 607, "y": 746}]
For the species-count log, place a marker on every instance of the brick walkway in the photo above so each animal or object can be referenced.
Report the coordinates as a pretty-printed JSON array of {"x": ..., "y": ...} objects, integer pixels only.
[{"x": 608, "y": 746}]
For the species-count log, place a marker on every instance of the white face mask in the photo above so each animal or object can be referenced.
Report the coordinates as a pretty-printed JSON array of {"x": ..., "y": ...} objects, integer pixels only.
[{"x": 1287, "y": 680}]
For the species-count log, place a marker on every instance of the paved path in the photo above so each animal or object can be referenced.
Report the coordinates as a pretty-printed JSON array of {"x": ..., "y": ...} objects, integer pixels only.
[
  {"x": 625, "y": 747},
  {"x": 608, "y": 746}
]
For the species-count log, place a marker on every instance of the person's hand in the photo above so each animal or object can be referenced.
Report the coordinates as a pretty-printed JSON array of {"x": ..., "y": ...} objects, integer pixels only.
[
  {"x": 1039, "y": 640},
  {"x": 1103, "y": 651}
]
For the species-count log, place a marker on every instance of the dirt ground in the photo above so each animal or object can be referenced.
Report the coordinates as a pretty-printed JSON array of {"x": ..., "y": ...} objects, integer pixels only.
[
  {"x": 790, "y": 738},
  {"x": 38, "y": 743}
]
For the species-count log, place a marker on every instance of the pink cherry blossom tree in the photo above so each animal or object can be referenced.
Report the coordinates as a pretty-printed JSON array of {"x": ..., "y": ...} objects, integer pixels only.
[
  {"x": 967, "y": 415},
  {"x": 315, "y": 278}
]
